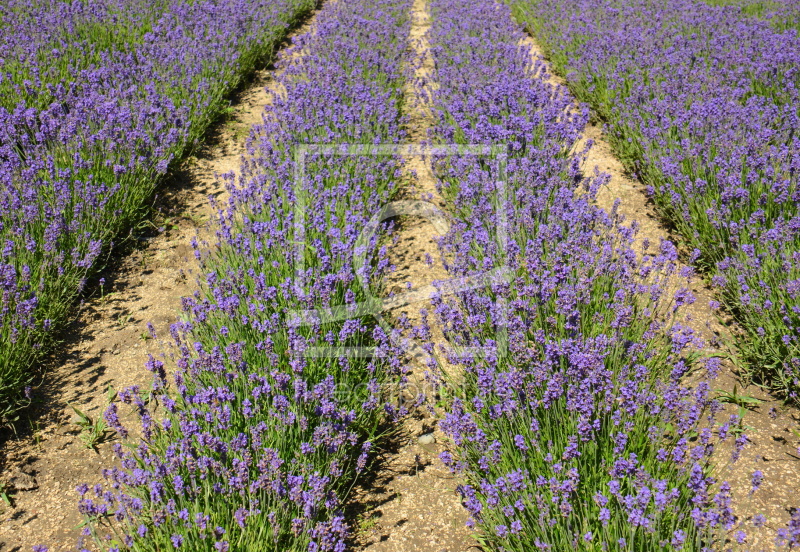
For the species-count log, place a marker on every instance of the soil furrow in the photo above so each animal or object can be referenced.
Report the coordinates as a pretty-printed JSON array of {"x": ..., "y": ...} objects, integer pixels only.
[
  {"x": 411, "y": 502},
  {"x": 109, "y": 342}
]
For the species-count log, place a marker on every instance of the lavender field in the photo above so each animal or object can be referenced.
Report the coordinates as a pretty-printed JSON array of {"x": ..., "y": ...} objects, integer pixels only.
[
  {"x": 486, "y": 276},
  {"x": 98, "y": 99},
  {"x": 702, "y": 105}
]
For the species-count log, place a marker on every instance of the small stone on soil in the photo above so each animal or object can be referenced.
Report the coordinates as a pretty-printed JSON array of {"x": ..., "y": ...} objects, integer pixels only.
[{"x": 21, "y": 481}]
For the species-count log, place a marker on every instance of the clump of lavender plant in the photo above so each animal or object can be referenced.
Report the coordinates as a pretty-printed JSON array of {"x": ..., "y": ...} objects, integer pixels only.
[{"x": 581, "y": 434}]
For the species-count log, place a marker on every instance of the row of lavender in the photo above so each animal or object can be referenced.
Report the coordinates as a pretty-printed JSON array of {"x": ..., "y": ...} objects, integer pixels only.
[
  {"x": 574, "y": 430},
  {"x": 270, "y": 416},
  {"x": 96, "y": 100},
  {"x": 782, "y": 15},
  {"x": 701, "y": 103}
]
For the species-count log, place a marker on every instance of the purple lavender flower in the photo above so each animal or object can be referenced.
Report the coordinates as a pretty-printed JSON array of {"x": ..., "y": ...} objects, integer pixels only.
[{"x": 755, "y": 480}]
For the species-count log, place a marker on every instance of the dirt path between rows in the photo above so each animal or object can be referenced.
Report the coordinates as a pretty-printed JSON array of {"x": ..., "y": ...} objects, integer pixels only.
[
  {"x": 411, "y": 502},
  {"x": 109, "y": 342},
  {"x": 774, "y": 447}
]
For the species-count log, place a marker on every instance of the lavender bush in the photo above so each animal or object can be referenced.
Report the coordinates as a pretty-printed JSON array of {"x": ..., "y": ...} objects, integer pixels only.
[
  {"x": 782, "y": 15},
  {"x": 582, "y": 435},
  {"x": 259, "y": 441},
  {"x": 96, "y": 100},
  {"x": 701, "y": 103}
]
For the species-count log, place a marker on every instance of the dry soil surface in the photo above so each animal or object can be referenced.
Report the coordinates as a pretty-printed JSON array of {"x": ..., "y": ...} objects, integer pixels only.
[{"x": 411, "y": 501}]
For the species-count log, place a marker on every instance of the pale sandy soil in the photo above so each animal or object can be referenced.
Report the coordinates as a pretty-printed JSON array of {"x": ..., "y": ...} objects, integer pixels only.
[{"x": 410, "y": 503}]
